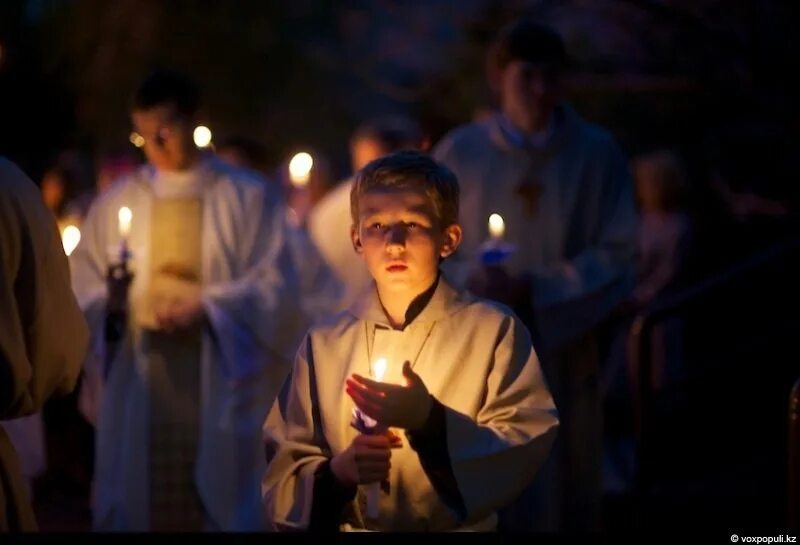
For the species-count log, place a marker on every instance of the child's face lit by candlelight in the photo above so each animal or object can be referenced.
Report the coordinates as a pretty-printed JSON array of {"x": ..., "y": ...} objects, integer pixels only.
[{"x": 401, "y": 239}]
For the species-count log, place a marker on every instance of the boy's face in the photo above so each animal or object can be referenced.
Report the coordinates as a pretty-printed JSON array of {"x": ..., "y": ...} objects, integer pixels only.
[
  {"x": 401, "y": 239},
  {"x": 529, "y": 93}
]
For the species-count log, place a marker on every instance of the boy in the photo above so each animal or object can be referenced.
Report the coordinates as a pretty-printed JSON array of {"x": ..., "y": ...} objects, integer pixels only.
[{"x": 462, "y": 381}]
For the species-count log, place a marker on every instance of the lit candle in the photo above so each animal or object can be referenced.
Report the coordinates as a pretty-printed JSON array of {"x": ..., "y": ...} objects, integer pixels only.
[
  {"x": 202, "y": 136},
  {"x": 300, "y": 169},
  {"x": 497, "y": 227},
  {"x": 70, "y": 238},
  {"x": 379, "y": 369},
  {"x": 125, "y": 216},
  {"x": 374, "y": 489}
]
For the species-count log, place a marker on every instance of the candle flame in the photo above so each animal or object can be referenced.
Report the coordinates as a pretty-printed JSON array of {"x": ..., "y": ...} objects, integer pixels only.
[
  {"x": 70, "y": 239},
  {"x": 379, "y": 369},
  {"x": 125, "y": 216},
  {"x": 300, "y": 169},
  {"x": 497, "y": 227},
  {"x": 202, "y": 136}
]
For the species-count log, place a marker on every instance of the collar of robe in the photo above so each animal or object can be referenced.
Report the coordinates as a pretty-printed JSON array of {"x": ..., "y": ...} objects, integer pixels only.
[
  {"x": 565, "y": 120},
  {"x": 442, "y": 302}
]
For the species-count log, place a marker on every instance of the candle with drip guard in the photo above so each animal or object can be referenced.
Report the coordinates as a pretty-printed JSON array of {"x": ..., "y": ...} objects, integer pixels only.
[{"x": 373, "y": 490}]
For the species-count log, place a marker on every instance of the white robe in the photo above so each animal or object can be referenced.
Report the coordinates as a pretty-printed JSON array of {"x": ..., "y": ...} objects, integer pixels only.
[
  {"x": 329, "y": 225},
  {"x": 475, "y": 357},
  {"x": 250, "y": 296},
  {"x": 578, "y": 241}
]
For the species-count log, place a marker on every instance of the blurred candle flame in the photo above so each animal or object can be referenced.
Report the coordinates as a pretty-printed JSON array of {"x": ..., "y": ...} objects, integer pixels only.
[
  {"x": 497, "y": 227},
  {"x": 300, "y": 169},
  {"x": 70, "y": 239}
]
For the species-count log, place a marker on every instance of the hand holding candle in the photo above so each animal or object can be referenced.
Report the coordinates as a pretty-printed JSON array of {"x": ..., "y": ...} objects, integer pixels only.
[{"x": 393, "y": 405}]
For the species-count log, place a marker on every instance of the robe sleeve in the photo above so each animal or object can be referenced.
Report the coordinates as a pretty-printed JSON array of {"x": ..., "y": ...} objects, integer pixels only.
[
  {"x": 574, "y": 295},
  {"x": 295, "y": 448},
  {"x": 495, "y": 455},
  {"x": 43, "y": 336},
  {"x": 256, "y": 318},
  {"x": 88, "y": 265}
]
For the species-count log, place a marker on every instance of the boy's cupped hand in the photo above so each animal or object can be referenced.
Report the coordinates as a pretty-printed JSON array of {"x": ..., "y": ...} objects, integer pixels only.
[
  {"x": 366, "y": 460},
  {"x": 394, "y": 405}
]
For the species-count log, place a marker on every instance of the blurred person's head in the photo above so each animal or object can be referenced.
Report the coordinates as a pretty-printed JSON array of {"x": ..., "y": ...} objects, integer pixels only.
[
  {"x": 381, "y": 136},
  {"x": 67, "y": 176},
  {"x": 243, "y": 152},
  {"x": 404, "y": 208},
  {"x": 113, "y": 166},
  {"x": 660, "y": 181},
  {"x": 54, "y": 189},
  {"x": 525, "y": 64},
  {"x": 164, "y": 112}
]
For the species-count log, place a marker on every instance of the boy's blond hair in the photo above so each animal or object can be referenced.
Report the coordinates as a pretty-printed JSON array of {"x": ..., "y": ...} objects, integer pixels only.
[{"x": 410, "y": 170}]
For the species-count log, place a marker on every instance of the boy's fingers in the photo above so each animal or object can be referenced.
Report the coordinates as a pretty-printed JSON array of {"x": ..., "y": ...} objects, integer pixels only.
[
  {"x": 363, "y": 393},
  {"x": 368, "y": 383}
]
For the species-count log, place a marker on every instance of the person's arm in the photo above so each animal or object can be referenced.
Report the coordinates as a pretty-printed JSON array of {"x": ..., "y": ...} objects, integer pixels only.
[
  {"x": 296, "y": 480},
  {"x": 574, "y": 295},
  {"x": 430, "y": 443},
  {"x": 511, "y": 436},
  {"x": 257, "y": 316},
  {"x": 43, "y": 336}
]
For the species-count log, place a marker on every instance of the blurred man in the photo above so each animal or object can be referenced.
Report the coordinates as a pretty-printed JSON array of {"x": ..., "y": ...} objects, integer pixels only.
[
  {"x": 43, "y": 336},
  {"x": 211, "y": 327},
  {"x": 563, "y": 188}
]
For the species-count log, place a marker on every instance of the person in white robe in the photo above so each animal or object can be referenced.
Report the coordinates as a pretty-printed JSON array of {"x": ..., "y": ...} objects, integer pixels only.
[
  {"x": 329, "y": 221},
  {"x": 205, "y": 349},
  {"x": 563, "y": 187},
  {"x": 462, "y": 380},
  {"x": 43, "y": 336}
]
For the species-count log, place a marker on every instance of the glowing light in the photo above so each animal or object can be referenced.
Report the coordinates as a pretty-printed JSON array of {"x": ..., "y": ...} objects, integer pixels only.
[
  {"x": 497, "y": 227},
  {"x": 202, "y": 136},
  {"x": 379, "y": 369},
  {"x": 70, "y": 239},
  {"x": 137, "y": 139},
  {"x": 125, "y": 217},
  {"x": 300, "y": 169}
]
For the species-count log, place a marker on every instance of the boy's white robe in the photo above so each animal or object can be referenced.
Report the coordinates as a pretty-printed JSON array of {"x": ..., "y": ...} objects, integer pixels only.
[
  {"x": 475, "y": 357},
  {"x": 250, "y": 296}
]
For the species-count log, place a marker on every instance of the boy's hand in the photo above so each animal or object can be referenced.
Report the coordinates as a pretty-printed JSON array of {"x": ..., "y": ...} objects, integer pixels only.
[
  {"x": 365, "y": 461},
  {"x": 391, "y": 404}
]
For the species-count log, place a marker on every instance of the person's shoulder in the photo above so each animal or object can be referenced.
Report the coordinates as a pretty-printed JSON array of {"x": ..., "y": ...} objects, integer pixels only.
[
  {"x": 591, "y": 134},
  {"x": 484, "y": 311},
  {"x": 119, "y": 190},
  {"x": 14, "y": 183},
  {"x": 466, "y": 136},
  {"x": 248, "y": 185},
  {"x": 333, "y": 325}
]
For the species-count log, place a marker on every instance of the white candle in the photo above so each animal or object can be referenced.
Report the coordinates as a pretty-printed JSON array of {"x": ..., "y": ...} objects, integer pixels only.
[
  {"x": 374, "y": 489},
  {"x": 70, "y": 238},
  {"x": 300, "y": 169},
  {"x": 497, "y": 227},
  {"x": 125, "y": 217}
]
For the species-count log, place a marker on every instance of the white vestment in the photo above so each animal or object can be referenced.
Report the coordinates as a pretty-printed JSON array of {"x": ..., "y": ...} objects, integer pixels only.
[
  {"x": 249, "y": 294},
  {"x": 475, "y": 357}
]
